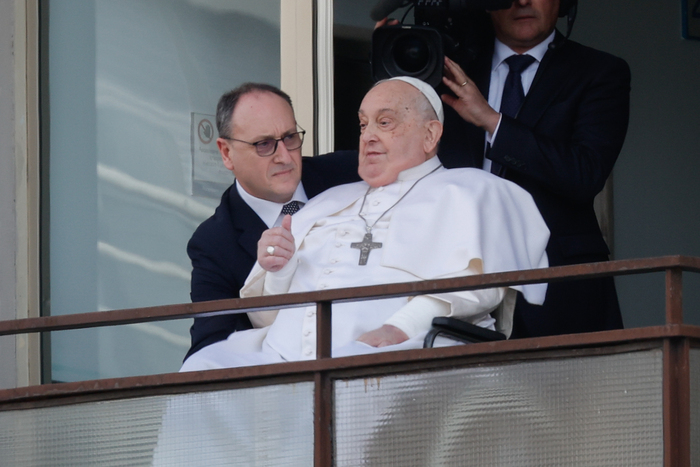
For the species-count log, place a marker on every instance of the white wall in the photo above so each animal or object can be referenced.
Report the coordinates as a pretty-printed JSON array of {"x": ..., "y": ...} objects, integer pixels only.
[
  {"x": 354, "y": 13},
  {"x": 657, "y": 193}
]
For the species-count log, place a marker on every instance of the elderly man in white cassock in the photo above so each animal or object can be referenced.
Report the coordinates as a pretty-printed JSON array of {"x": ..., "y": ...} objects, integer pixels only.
[{"x": 409, "y": 219}]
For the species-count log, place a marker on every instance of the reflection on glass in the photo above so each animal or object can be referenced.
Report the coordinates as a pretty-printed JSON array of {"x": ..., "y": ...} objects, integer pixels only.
[{"x": 125, "y": 79}]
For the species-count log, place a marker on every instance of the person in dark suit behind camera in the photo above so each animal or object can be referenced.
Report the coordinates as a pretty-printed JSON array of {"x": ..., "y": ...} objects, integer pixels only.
[{"x": 558, "y": 139}]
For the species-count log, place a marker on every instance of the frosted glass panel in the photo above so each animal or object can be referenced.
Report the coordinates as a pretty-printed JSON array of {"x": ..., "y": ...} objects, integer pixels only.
[
  {"x": 592, "y": 411},
  {"x": 266, "y": 426},
  {"x": 128, "y": 81}
]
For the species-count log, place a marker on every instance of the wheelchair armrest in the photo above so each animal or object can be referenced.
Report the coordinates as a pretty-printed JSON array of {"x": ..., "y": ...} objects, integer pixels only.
[{"x": 461, "y": 331}]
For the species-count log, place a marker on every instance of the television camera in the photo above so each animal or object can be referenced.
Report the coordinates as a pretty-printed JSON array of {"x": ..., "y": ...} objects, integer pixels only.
[{"x": 456, "y": 28}]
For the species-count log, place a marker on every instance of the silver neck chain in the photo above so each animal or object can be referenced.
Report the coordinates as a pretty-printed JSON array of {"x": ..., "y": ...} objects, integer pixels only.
[{"x": 370, "y": 227}]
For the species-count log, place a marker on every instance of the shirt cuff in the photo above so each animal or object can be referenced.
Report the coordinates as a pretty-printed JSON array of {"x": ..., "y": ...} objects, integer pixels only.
[
  {"x": 417, "y": 315},
  {"x": 491, "y": 137}
]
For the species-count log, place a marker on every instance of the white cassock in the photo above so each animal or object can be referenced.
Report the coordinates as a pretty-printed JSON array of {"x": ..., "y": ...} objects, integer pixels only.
[{"x": 453, "y": 223}]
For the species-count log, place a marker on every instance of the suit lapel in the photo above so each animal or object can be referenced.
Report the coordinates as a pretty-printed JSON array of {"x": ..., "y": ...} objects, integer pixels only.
[
  {"x": 247, "y": 224},
  {"x": 549, "y": 80}
]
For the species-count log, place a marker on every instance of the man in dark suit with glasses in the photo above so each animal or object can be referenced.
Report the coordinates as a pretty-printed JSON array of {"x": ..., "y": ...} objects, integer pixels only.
[{"x": 260, "y": 142}]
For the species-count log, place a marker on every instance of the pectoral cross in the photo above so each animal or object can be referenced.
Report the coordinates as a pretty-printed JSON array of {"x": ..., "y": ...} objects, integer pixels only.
[{"x": 365, "y": 247}]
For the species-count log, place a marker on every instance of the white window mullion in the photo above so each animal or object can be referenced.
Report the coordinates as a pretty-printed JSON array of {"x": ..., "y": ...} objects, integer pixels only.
[
  {"x": 296, "y": 61},
  {"x": 324, "y": 70},
  {"x": 297, "y": 25},
  {"x": 26, "y": 146}
]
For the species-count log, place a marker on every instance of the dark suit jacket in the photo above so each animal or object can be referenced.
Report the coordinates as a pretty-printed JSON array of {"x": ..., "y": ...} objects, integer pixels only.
[
  {"x": 223, "y": 249},
  {"x": 561, "y": 148}
]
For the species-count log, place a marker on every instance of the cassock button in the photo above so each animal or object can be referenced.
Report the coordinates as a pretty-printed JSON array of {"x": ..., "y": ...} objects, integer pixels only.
[
  {"x": 310, "y": 313},
  {"x": 327, "y": 271},
  {"x": 375, "y": 203},
  {"x": 338, "y": 245},
  {"x": 307, "y": 332},
  {"x": 323, "y": 286},
  {"x": 307, "y": 352}
]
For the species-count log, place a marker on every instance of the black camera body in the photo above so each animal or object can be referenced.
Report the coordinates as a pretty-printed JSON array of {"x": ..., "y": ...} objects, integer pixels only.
[
  {"x": 415, "y": 51},
  {"x": 453, "y": 28},
  {"x": 442, "y": 27}
]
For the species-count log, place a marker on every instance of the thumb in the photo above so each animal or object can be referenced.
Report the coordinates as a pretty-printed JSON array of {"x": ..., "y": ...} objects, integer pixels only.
[{"x": 287, "y": 222}]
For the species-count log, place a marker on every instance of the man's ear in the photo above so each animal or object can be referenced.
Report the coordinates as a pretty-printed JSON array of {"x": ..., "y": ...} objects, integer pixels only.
[
  {"x": 432, "y": 136},
  {"x": 225, "y": 151}
]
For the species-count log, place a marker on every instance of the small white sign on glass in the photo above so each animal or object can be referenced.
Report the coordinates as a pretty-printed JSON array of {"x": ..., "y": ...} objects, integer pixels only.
[{"x": 209, "y": 176}]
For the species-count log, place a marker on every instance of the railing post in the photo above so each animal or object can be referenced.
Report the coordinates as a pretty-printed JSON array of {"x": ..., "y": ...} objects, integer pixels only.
[
  {"x": 674, "y": 296},
  {"x": 323, "y": 390},
  {"x": 676, "y": 402},
  {"x": 323, "y": 330},
  {"x": 323, "y": 440}
]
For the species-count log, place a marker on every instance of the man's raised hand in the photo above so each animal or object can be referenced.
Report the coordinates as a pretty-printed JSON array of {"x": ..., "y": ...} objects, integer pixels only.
[
  {"x": 276, "y": 246},
  {"x": 469, "y": 103}
]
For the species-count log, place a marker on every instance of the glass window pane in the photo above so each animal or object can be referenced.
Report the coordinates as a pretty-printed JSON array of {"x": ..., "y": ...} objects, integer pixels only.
[
  {"x": 132, "y": 90},
  {"x": 260, "y": 426},
  {"x": 352, "y": 74},
  {"x": 587, "y": 411}
]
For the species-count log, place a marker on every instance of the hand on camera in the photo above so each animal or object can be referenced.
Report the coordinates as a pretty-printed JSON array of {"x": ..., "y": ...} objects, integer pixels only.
[
  {"x": 386, "y": 22},
  {"x": 469, "y": 103}
]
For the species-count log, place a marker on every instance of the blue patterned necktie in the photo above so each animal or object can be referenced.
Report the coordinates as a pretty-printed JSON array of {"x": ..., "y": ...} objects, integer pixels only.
[
  {"x": 513, "y": 94},
  {"x": 290, "y": 208}
]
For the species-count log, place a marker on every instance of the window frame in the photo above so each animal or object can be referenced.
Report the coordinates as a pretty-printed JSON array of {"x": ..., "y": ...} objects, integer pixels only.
[{"x": 303, "y": 70}]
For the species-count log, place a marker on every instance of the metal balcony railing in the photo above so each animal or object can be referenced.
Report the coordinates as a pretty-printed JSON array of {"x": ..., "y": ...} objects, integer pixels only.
[{"x": 678, "y": 345}]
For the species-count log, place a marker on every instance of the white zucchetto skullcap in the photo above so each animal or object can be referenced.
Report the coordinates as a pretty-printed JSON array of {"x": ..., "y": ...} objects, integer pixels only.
[{"x": 427, "y": 91}]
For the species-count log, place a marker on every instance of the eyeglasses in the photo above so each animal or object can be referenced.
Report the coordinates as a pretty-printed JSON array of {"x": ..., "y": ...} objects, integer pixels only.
[{"x": 267, "y": 147}]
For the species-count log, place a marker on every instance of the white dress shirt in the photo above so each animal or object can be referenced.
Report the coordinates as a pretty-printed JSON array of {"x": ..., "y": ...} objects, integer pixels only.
[
  {"x": 269, "y": 211},
  {"x": 499, "y": 73}
]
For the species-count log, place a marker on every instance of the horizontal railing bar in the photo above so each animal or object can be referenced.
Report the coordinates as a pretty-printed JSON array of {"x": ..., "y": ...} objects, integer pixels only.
[
  {"x": 175, "y": 383},
  {"x": 239, "y": 305}
]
